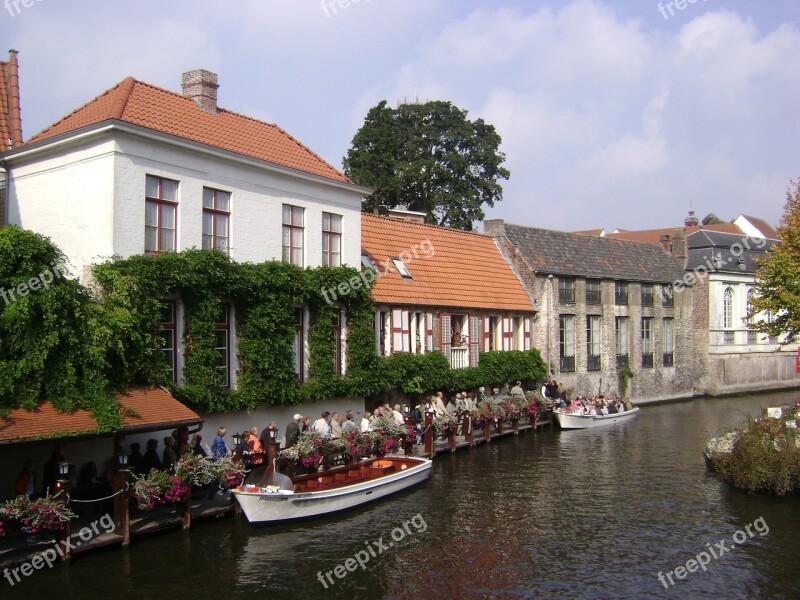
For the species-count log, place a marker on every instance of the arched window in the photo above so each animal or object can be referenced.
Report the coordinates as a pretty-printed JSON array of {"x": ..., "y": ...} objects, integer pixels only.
[
  {"x": 751, "y": 295},
  {"x": 727, "y": 308}
]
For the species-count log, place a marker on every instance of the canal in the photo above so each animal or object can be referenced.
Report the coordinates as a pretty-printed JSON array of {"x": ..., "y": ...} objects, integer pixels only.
[{"x": 579, "y": 514}]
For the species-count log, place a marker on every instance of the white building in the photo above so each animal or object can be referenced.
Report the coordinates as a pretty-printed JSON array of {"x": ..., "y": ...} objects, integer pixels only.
[{"x": 141, "y": 169}]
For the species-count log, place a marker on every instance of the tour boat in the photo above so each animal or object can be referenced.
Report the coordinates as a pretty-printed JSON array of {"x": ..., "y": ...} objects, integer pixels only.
[
  {"x": 331, "y": 491},
  {"x": 574, "y": 421}
]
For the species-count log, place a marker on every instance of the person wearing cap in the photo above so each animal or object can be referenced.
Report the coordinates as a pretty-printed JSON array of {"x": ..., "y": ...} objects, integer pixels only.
[{"x": 293, "y": 430}]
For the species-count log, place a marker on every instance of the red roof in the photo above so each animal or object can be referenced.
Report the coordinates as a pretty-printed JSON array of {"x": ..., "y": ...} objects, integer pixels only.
[
  {"x": 10, "y": 121},
  {"x": 653, "y": 236},
  {"x": 140, "y": 103},
  {"x": 448, "y": 267},
  {"x": 144, "y": 409}
]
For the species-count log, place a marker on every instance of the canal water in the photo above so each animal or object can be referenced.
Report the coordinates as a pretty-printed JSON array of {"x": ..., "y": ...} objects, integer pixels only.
[{"x": 572, "y": 514}]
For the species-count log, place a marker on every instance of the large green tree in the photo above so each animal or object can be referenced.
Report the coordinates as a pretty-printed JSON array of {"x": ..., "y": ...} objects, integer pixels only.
[
  {"x": 430, "y": 158},
  {"x": 778, "y": 287}
]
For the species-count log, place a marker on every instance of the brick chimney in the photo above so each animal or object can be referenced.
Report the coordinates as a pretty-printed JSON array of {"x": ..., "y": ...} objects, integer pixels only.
[
  {"x": 201, "y": 86},
  {"x": 494, "y": 227}
]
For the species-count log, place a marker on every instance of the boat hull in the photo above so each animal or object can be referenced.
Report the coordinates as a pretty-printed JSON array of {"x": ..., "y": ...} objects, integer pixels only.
[
  {"x": 571, "y": 421},
  {"x": 264, "y": 507}
]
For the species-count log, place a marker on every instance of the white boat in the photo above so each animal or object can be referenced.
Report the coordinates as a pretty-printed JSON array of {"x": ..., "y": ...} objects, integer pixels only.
[
  {"x": 331, "y": 491},
  {"x": 569, "y": 420}
]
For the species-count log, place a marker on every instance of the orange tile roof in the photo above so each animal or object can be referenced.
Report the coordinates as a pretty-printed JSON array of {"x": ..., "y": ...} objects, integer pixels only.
[
  {"x": 140, "y": 103},
  {"x": 653, "y": 236},
  {"x": 460, "y": 269},
  {"x": 148, "y": 409},
  {"x": 10, "y": 121}
]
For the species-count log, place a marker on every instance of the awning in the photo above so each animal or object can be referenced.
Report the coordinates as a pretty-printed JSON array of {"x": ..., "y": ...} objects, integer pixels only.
[{"x": 143, "y": 409}]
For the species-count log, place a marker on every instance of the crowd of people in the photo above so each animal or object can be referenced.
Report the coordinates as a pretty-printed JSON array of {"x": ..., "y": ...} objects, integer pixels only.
[{"x": 598, "y": 405}]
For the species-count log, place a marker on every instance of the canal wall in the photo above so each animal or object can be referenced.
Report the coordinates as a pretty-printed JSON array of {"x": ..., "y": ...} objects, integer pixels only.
[{"x": 747, "y": 372}]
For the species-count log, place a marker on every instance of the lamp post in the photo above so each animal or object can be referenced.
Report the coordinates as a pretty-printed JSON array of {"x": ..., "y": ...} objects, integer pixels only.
[{"x": 122, "y": 460}]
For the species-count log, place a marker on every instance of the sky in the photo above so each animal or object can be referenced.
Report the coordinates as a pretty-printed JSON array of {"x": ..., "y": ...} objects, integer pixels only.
[{"x": 613, "y": 113}]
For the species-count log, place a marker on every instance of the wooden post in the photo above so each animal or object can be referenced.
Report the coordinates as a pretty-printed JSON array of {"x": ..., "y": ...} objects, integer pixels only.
[
  {"x": 451, "y": 439},
  {"x": 515, "y": 426},
  {"x": 466, "y": 427},
  {"x": 408, "y": 445},
  {"x": 500, "y": 426},
  {"x": 62, "y": 494},
  {"x": 487, "y": 430},
  {"x": 122, "y": 513},
  {"x": 428, "y": 435},
  {"x": 184, "y": 510},
  {"x": 272, "y": 454}
]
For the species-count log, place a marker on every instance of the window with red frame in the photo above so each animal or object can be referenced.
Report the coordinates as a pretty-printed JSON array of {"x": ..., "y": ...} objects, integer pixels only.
[
  {"x": 161, "y": 215},
  {"x": 331, "y": 240},
  {"x": 216, "y": 220},
  {"x": 293, "y": 229},
  {"x": 222, "y": 345}
]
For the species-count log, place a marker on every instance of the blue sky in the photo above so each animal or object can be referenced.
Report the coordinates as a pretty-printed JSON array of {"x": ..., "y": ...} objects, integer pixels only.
[{"x": 611, "y": 114}]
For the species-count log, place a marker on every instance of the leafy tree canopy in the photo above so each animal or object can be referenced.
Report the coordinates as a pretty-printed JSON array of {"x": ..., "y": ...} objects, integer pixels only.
[
  {"x": 712, "y": 219},
  {"x": 778, "y": 287},
  {"x": 428, "y": 158}
]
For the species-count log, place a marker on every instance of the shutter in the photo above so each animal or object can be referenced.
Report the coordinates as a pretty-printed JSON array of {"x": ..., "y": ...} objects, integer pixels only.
[
  {"x": 527, "y": 340},
  {"x": 447, "y": 335},
  {"x": 428, "y": 332},
  {"x": 405, "y": 327},
  {"x": 507, "y": 334},
  {"x": 397, "y": 330},
  {"x": 378, "y": 333},
  {"x": 474, "y": 340},
  {"x": 487, "y": 332}
]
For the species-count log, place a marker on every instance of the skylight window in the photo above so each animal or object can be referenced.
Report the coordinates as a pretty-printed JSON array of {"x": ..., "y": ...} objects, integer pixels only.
[
  {"x": 366, "y": 262},
  {"x": 401, "y": 268}
]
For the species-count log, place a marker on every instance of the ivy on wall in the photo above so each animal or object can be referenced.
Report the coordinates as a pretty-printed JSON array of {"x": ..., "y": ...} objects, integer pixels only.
[{"x": 74, "y": 344}]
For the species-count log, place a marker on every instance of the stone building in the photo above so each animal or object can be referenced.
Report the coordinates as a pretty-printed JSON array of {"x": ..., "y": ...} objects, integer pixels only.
[{"x": 603, "y": 304}]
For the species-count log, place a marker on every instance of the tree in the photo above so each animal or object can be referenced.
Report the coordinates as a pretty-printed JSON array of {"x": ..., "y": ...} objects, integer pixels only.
[
  {"x": 712, "y": 219},
  {"x": 428, "y": 158},
  {"x": 778, "y": 287}
]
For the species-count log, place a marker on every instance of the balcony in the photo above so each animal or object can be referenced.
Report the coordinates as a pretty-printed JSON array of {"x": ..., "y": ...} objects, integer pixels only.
[
  {"x": 669, "y": 359},
  {"x": 459, "y": 357},
  {"x": 593, "y": 362},
  {"x": 647, "y": 360},
  {"x": 567, "y": 364},
  {"x": 622, "y": 360}
]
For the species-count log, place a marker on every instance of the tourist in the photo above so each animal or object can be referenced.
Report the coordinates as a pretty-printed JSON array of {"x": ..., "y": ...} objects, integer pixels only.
[
  {"x": 265, "y": 437},
  {"x": 197, "y": 446},
  {"x": 517, "y": 390},
  {"x": 398, "y": 416},
  {"x": 322, "y": 426},
  {"x": 364, "y": 425},
  {"x": 336, "y": 426},
  {"x": 495, "y": 393},
  {"x": 255, "y": 451},
  {"x": 306, "y": 424},
  {"x": 151, "y": 459},
  {"x": 480, "y": 397},
  {"x": 135, "y": 459},
  {"x": 169, "y": 457},
  {"x": 460, "y": 403},
  {"x": 293, "y": 430},
  {"x": 219, "y": 449},
  {"x": 50, "y": 476},
  {"x": 349, "y": 422},
  {"x": 439, "y": 408},
  {"x": 25, "y": 485}
]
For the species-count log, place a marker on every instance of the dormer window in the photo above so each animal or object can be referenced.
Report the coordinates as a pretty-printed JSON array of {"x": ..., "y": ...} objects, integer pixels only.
[
  {"x": 366, "y": 263},
  {"x": 401, "y": 268}
]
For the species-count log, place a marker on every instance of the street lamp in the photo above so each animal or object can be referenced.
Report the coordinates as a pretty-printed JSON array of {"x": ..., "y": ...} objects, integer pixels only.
[
  {"x": 63, "y": 469},
  {"x": 122, "y": 459},
  {"x": 273, "y": 434},
  {"x": 237, "y": 440}
]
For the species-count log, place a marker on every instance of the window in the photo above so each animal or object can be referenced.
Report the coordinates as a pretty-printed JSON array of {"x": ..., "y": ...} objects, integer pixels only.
[
  {"x": 168, "y": 337},
  {"x": 222, "y": 334},
  {"x": 216, "y": 220},
  {"x": 566, "y": 290},
  {"x": 647, "y": 342},
  {"x": 331, "y": 240},
  {"x": 338, "y": 362},
  {"x": 592, "y": 343},
  {"x": 366, "y": 263},
  {"x": 566, "y": 335},
  {"x": 593, "y": 291},
  {"x": 621, "y": 338},
  {"x": 417, "y": 333},
  {"x": 491, "y": 327},
  {"x": 161, "y": 207},
  {"x": 667, "y": 293},
  {"x": 298, "y": 344},
  {"x": 752, "y": 336},
  {"x": 621, "y": 293},
  {"x": 401, "y": 268},
  {"x": 669, "y": 342},
  {"x": 293, "y": 219},
  {"x": 727, "y": 315},
  {"x": 647, "y": 294}
]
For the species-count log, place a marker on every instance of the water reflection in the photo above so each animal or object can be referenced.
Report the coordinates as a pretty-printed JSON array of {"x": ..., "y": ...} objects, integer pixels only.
[{"x": 579, "y": 514}]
